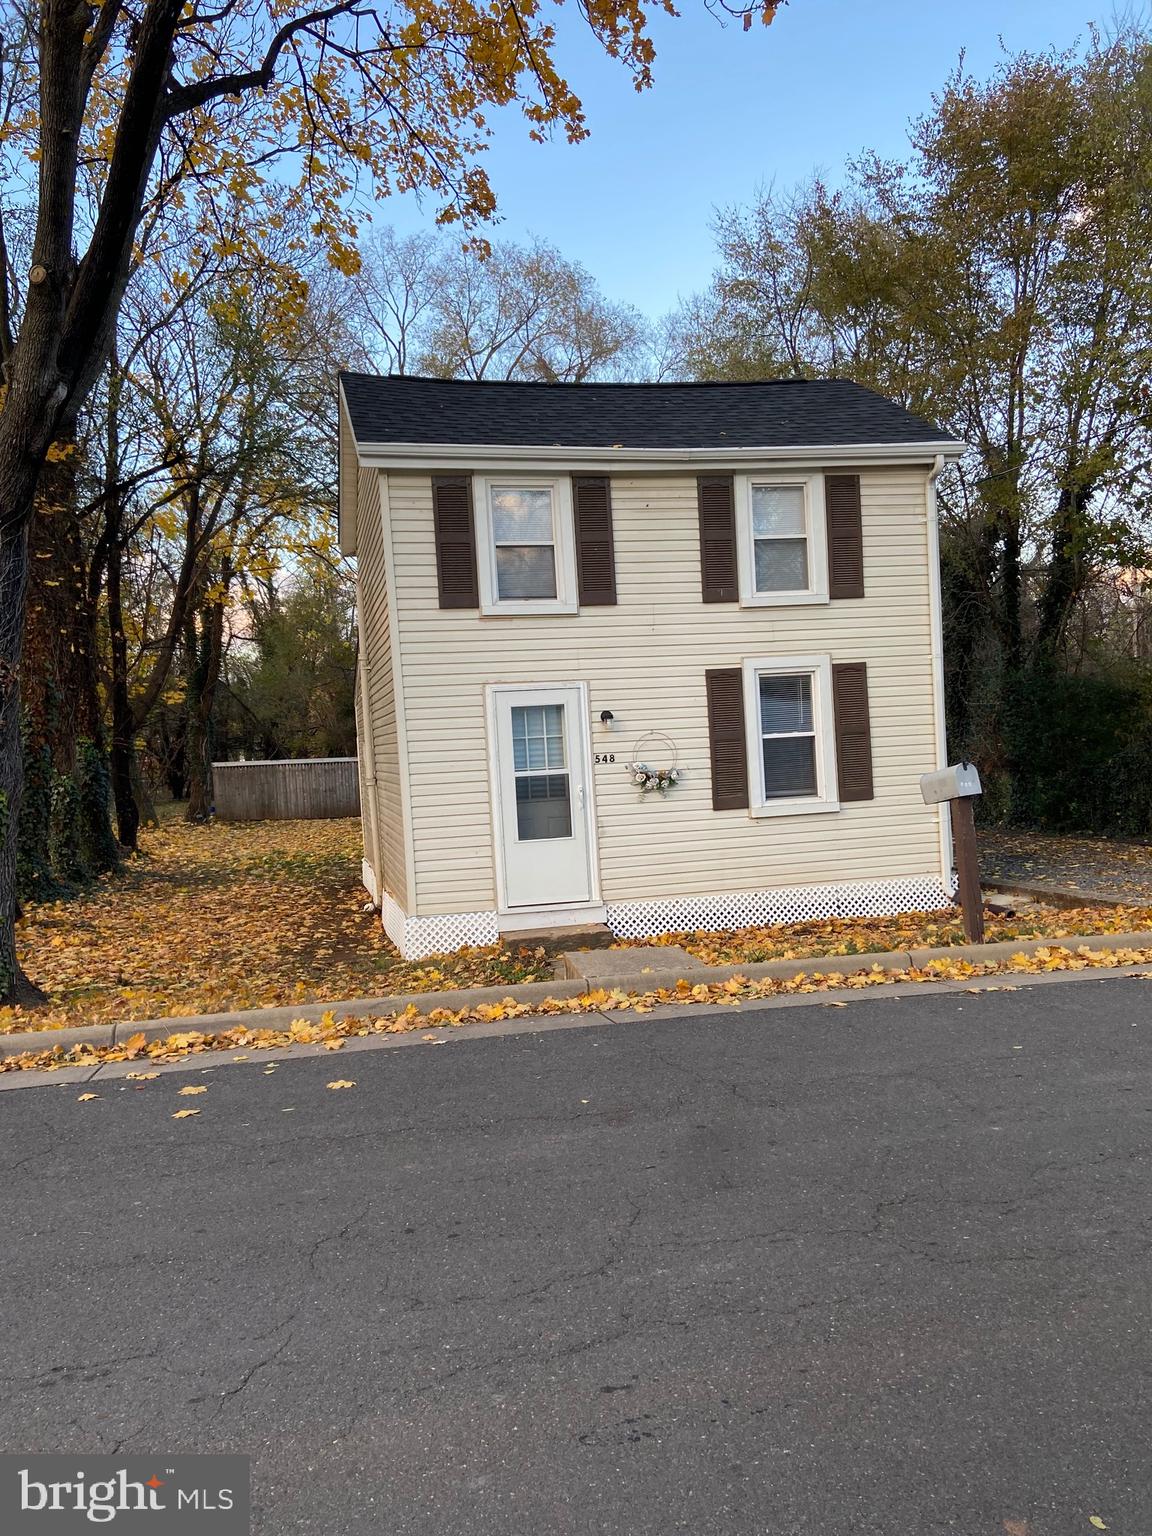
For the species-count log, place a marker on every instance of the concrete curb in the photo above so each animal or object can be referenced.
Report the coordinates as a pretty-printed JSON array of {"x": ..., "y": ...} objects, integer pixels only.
[
  {"x": 98, "y": 1035},
  {"x": 1058, "y": 895}
]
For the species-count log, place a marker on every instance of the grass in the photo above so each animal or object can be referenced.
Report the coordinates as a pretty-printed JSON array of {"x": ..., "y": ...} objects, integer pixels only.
[{"x": 222, "y": 917}]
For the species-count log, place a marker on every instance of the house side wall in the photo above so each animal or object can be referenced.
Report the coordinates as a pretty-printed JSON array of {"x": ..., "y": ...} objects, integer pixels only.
[
  {"x": 645, "y": 661},
  {"x": 373, "y": 597}
]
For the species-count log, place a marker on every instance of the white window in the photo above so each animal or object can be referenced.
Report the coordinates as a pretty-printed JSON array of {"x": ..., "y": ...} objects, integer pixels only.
[
  {"x": 525, "y": 545},
  {"x": 791, "y": 736},
  {"x": 781, "y": 539}
]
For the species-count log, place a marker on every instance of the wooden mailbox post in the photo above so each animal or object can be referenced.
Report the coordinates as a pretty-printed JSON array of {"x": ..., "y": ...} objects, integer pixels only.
[{"x": 960, "y": 785}]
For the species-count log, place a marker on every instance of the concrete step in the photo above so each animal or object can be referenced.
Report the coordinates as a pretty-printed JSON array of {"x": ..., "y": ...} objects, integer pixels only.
[
  {"x": 554, "y": 940},
  {"x": 651, "y": 965}
]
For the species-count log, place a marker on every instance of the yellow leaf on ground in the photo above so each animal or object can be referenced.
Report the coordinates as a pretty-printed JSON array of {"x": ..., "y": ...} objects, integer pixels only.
[
  {"x": 84, "y": 1097},
  {"x": 342, "y": 1082},
  {"x": 191, "y": 1089},
  {"x": 1097, "y": 1522},
  {"x": 333, "y": 1045},
  {"x": 142, "y": 1077},
  {"x": 183, "y": 1114}
]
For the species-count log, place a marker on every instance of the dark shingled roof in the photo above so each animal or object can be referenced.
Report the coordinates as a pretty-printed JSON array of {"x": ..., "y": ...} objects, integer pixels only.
[{"x": 779, "y": 413}]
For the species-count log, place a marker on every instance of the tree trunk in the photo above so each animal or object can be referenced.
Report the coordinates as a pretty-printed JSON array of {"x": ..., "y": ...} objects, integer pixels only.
[
  {"x": 123, "y": 753},
  {"x": 14, "y": 986},
  {"x": 1064, "y": 580},
  {"x": 60, "y": 697}
]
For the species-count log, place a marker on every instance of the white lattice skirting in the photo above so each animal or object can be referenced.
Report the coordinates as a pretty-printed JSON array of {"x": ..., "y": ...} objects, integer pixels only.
[
  {"x": 418, "y": 937},
  {"x": 783, "y": 904}
]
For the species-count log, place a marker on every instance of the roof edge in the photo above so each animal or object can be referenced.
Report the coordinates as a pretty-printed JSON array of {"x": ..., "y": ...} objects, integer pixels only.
[
  {"x": 569, "y": 455},
  {"x": 346, "y": 531}
]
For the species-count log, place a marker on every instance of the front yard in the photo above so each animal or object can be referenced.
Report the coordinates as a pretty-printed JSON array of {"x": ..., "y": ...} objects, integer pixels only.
[{"x": 223, "y": 917}]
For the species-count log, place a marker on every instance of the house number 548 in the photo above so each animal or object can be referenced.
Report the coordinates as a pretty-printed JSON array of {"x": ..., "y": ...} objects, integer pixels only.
[{"x": 604, "y": 757}]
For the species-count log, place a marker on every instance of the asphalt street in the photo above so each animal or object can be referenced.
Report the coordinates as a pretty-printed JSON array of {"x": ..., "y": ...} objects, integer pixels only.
[{"x": 862, "y": 1269}]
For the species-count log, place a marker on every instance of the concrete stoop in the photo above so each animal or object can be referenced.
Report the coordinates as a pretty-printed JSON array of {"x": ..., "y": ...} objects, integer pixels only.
[
  {"x": 650, "y": 965},
  {"x": 553, "y": 940}
]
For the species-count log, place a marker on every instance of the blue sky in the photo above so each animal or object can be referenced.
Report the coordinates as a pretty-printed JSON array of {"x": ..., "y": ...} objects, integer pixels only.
[{"x": 730, "y": 111}]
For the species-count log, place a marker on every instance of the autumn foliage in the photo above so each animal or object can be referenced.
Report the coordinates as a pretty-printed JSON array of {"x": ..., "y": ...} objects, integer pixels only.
[
  {"x": 219, "y": 917},
  {"x": 330, "y": 1032}
]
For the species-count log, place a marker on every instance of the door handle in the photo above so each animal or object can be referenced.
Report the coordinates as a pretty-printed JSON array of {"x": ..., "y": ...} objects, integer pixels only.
[{"x": 580, "y": 796}]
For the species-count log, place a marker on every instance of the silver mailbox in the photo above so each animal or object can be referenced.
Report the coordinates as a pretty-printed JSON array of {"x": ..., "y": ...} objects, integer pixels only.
[{"x": 955, "y": 783}]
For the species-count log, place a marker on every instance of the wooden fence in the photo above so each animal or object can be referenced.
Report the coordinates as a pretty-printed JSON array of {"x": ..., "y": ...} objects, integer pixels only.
[{"x": 297, "y": 789}]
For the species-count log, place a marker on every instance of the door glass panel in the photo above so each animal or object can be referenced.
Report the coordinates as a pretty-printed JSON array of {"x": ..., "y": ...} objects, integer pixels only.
[
  {"x": 543, "y": 806},
  {"x": 537, "y": 737},
  {"x": 543, "y": 798}
]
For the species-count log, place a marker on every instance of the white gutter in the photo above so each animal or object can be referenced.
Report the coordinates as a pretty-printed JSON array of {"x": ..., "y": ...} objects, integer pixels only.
[
  {"x": 551, "y": 455},
  {"x": 936, "y": 621}
]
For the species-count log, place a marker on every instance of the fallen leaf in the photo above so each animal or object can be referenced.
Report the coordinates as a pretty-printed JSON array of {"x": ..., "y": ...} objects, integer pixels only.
[
  {"x": 191, "y": 1089},
  {"x": 1097, "y": 1522},
  {"x": 333, "y": 1045},
  {"x": 183, "y": 1114},
  {"x": 342, "y": 1082},
  {"x": 142, "y": 1077},
  {"x": 85, "y": 1097}
]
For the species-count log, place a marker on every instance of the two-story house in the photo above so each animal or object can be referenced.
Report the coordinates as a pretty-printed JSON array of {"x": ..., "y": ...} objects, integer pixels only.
[{"x": 739, "y": 581}]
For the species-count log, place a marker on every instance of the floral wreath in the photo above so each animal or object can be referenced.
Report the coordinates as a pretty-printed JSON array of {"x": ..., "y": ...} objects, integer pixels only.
[{"x": 649, "y": 780}]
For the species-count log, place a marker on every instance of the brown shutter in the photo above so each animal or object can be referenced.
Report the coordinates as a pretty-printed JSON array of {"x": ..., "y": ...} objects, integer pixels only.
[
  {"x": 853, "y": 730},
  {"x": 727, "y": 744},
  {"x": 455, "y": 541},
  {"x": 717, "y": 504},
  {"x": 845, "y": 536},
  {"x": 595, "y": 560}
]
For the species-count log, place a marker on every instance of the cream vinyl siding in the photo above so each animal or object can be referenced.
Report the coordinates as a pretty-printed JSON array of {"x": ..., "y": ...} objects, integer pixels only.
[
  {"x": 645, "y": 660},
  {"x": 372, "y": 582}
]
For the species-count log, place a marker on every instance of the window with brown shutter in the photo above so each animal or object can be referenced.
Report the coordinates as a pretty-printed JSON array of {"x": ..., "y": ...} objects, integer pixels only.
[
  {"x": 719, "y": 580},
  {"x": 853, "y": 730},
  {"x": 455, "y": 541},
  {"x": 728, "y": 747},
  {"x": 845, "y": 536},
  {"x": 595, "y": 558}
]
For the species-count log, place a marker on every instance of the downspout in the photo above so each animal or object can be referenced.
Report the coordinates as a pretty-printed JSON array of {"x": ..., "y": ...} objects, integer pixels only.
[{"x": 936, "y": 622}]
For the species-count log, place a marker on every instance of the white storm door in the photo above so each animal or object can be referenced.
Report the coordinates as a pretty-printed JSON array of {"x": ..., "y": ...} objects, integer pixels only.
[{"x": 542, "y": 793}]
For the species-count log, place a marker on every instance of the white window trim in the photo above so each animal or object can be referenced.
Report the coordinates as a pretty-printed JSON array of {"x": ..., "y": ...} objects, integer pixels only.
[
  {"x": 566, "y": 599},
  {"x": 815, "y": 528},
  {"x": 827, "y": 796}
]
